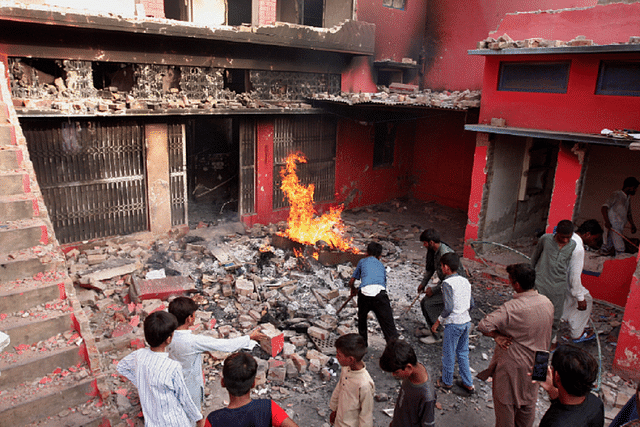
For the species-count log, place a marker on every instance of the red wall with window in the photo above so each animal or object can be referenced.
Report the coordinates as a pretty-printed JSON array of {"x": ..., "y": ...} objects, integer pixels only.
[{"x": 580, "y": 109}]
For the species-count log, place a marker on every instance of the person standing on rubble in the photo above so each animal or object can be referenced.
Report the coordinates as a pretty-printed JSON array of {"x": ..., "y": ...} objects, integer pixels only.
[
  {"x": 187, "y": 348},
  {"x": 432, "y": 303},
  {"x": 578, "y": 302},
  {"x": 551, "y": 260},
  {"x": 616, "y": 212},
  {"x": 372, "y": 293}
]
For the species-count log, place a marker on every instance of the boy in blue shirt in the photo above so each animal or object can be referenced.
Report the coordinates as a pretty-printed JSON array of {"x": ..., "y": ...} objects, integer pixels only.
[{"x": 372, "y": 294}]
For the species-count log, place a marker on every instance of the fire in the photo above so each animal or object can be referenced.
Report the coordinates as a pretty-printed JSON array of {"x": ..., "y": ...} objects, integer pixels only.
[{"x": 304, "y": 225}]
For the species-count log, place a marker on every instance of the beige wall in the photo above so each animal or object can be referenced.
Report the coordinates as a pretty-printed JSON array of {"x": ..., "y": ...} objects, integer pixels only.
[
  {"x": 209, "y": 12},
  {"x": 157, "y": 142},
  {"x": 118, "y": 7},
  {"x": 606, "y": 170}
]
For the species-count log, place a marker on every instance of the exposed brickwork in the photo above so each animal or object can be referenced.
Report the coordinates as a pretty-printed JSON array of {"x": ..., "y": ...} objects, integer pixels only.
[
  {"x": 291, "y": 86},
  {"x": 199, "y": 83}
]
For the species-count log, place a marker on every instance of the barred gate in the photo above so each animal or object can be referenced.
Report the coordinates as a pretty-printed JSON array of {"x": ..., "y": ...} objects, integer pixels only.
[
  {"x": 247, "y": 166},
  {"x": 315, "y": 137},
  {"x": 92, "y": 176},
  {"x": 178, "y": 173}
]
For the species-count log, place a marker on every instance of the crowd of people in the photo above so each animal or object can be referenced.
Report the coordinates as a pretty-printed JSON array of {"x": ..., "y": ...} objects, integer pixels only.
[{"x": 169, "y": 377}]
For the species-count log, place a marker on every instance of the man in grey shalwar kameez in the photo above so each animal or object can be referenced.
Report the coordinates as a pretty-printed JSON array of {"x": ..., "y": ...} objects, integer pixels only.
[{"x": 551, "y": 261}]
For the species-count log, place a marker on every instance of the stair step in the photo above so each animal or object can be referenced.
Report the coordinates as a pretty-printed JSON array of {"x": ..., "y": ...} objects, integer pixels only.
[
  {"x": 23, "y": 235},
  {"x": 10, "y": 159},
  {"x": 12, "y": 184},
  {"x": 24, "y": 295},
  {"x": 36, "y": 364},
  {"x": 37, "y": 326},
  {"x": 94, "y": 418},
  {"x": 4, "y": 113},
  {"x": 14, "y": 208},
  {"x": 7, "y": 135},
  {"x": 24, "y": 265},
  {"x": 26, "y": 404}
]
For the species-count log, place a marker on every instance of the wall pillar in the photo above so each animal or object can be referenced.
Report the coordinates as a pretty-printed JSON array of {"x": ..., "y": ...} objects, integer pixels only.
[
  {"x": 478, "y": 181},
  {"x": 159, "y": 191},
  {"x": 563, "y": 198},
  {"x": 264, "y": 170},
  {"x": 627, "y": 358}
]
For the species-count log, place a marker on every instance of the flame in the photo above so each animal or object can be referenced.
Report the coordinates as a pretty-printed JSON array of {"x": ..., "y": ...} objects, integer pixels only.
[
  {"x": 297, "y": 252},
  {"x": 266, "y": 248},
  {"x": 304, "y": 225}
]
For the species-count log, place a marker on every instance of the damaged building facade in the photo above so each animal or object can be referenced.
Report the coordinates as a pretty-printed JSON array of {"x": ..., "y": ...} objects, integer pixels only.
[
  {"x": 134, "y": 111},
  {"x": 541, "y": 153}
]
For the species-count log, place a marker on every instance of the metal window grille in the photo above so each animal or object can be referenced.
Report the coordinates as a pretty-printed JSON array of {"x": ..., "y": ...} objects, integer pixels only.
[
  {"x": 315, "y": 137},
  {"x": 92, "y": 176},
  {"x": 247, "y": 166}
]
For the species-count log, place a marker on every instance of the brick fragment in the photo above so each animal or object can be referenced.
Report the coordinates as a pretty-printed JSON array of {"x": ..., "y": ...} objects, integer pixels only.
[{"x": 319, "y": 333}]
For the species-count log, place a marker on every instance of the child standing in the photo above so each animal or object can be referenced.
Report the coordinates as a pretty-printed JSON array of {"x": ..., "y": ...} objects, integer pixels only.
[
  {"x": 187, "y": 348},
  {"x": 239, "y": 377},
  {"x": 456, "y": 291},
  {"x": 163, "y": 393},
  {"x": 417, "y": 398},
  {"x": 372, "y": 294},
  {"x": 352, "y": 399}
]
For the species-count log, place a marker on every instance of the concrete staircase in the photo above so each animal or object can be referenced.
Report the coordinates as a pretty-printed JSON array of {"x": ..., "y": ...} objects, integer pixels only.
[{"x": 50, "y": 372}]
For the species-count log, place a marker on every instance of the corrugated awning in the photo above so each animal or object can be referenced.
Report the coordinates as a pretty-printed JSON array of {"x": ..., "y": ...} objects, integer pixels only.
[{"x": 547, "y": 134}]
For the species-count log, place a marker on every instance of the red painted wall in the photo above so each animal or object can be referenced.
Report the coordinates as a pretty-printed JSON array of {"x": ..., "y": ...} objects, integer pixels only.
[
  {"x": 566, "y": 178},
  {"x": 578, "y": 110},
  {"x": 354, "y": 164},
  {"x": 455, "y": 26},
  {"x": 478, "y": 180},
  {"x": 627, "y": 359},
  {"x": 399, "y": 33},
  {"x": 443, "y": 160}
]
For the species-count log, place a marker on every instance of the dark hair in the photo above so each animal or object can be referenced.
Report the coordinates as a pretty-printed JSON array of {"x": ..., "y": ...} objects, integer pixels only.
[
  {"x": 451, "y": 260},
  {"x": 591, "y": 226},
  {"x": 374, "y": 249},
  {"x": 631, "y": 182},
  {"x": 564, "y": 227},
  {"x": 577, "y": 369},
  {"x": 158, "y": 326},
  {"x": 397, "y": 355},
  {"x": 352, "y": 345},
  {"x": 523, "y": 274},
  {"x": 430, "y": 235},
  {"x": 182, "y": 307},
  {"x": 239, "y": 372}
]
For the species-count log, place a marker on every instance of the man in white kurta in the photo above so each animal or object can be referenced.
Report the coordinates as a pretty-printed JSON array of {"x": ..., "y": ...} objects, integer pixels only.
[
  {"x": 616, "y": 212},
  {"x": 578, "y": 301}
]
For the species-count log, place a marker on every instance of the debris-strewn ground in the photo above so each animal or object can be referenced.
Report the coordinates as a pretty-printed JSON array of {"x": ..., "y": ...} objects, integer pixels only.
[{"x": 241, "y": 287}]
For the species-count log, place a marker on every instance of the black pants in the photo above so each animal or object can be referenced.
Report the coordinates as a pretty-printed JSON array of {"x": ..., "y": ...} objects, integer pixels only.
[
  {"x": 381, "y": 307},
  {"x": 431, "y": 309}
]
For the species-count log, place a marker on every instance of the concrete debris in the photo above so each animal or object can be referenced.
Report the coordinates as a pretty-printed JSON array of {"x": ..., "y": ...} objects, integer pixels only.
[
  {"x": 289, "y": 305},
  {"x": 505, "y": 42},
  {"x": 408, "y": 95}
]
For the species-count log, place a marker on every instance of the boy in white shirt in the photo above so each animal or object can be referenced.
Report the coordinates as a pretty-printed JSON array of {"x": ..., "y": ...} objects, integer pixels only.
[
  {"x": 187, "y": 348},
  {"x": 456, "y": 291}
]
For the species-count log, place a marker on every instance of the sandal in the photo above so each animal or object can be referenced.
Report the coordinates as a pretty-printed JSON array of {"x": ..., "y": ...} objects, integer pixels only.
[
  {"x": 442, "y": 385},
  {"x": 586, "y": 336},
  {"x": 470, "y": 390}
]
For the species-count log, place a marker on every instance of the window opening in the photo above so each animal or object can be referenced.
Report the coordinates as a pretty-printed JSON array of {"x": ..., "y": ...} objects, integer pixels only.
[
  {"x": 384, "y": 143},
  {"x": 236, "y": 80},
  {"x": 394, "y": 4},
  {"x": 619, "y": 78},
  {"x": 545, "y": 77},
  {"x": 238, "y": 12}
]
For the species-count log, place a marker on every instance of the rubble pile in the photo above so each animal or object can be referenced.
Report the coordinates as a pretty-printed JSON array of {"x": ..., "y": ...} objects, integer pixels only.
[
  {"x": 506, "y": 42},
  {"x": 241, "y": 283},
  {"x": 413, "y": 97}
]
